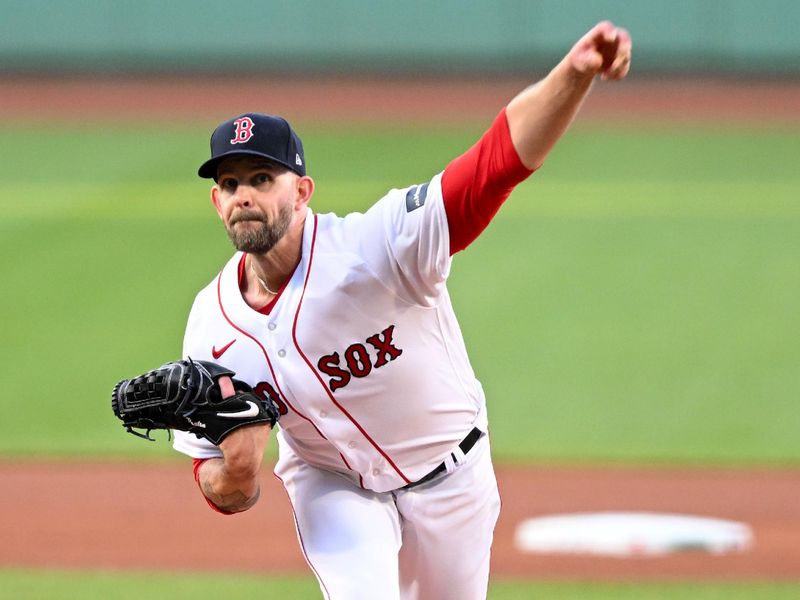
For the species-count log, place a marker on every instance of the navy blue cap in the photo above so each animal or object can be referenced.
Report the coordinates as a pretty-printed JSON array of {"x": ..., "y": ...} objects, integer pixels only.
[{"x": 254, "y": 134}]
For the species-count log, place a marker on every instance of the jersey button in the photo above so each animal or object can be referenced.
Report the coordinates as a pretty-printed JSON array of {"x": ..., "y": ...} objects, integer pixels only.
[
  {"x": 271, "y": 326},
  {"x": 281, "y": 352},
  {"x": 351, "y": 444},
  {"x": 376, "y": 472},
  {"x": 323, "y": 414}
]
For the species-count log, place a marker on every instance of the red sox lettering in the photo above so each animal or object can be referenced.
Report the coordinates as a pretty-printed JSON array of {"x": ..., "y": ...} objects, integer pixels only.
[{"x": 357, "y": 359}]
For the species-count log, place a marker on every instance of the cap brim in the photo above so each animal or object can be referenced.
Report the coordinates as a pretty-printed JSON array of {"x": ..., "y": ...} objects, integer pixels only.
[{"x": 208, "y": 170}]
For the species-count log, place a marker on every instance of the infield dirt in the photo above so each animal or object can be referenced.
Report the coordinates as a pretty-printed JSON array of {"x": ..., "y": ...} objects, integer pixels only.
[{"x": 152, "y": 517}]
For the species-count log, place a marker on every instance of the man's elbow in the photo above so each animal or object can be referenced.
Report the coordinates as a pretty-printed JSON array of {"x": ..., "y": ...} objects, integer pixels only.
[
  {"x": 234, "y": 501},
  {"x": 232, "y": 485}
]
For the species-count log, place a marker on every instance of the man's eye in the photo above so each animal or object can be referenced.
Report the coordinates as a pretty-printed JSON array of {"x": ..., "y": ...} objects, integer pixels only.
[
  {"x": 262, "y": 178},
  {"x": 228, "y": 184}
]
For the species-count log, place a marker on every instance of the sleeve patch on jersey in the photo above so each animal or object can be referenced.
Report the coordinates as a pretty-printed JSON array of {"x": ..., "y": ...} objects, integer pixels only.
[{"x": 415, "y": 196}]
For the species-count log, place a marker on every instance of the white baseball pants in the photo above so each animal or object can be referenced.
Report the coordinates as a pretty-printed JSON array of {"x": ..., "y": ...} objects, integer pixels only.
[{"x": 431, "y": 542}]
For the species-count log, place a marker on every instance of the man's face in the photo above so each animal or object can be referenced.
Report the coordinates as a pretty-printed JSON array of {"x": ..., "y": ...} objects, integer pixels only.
[{"x": 255, "y": 200}]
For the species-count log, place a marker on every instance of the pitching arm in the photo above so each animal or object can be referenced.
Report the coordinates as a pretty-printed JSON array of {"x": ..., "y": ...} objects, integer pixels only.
[
  {"x": 475, "y": 185},
  {"x": 539, "y": 115}
]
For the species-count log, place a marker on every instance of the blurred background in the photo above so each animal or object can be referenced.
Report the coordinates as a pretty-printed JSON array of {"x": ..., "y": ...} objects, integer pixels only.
[
  {"x": 504, "y": 36},
  {"x": 634, "y": 305}
]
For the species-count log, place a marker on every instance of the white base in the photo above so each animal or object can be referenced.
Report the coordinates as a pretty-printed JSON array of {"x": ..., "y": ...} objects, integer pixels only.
[{"x": 631, "y": 534}]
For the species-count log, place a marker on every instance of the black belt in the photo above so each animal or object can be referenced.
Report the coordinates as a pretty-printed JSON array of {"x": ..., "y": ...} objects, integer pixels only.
[{"x": 466, "y": 445}]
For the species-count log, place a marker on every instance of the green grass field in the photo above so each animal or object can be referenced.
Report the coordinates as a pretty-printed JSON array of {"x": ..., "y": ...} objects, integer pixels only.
[
  {"x": 635, "y": 301},
  {"x": 51, "y": 585}
]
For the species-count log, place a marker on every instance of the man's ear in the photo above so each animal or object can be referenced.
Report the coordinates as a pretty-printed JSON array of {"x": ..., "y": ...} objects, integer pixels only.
[
  {"x": 305, "y": 189},
  {"x": 215, "y": 199}
]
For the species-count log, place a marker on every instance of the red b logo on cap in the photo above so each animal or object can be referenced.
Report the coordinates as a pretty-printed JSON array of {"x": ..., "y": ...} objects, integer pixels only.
[{"x": 244, "y": 130}]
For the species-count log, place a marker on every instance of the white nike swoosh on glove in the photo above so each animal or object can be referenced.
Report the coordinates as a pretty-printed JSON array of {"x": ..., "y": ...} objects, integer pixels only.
[{"x": 242, "y": 414}]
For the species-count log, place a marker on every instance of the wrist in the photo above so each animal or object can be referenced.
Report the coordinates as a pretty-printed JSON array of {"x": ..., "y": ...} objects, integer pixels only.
[{"x": 572, "y": 77}]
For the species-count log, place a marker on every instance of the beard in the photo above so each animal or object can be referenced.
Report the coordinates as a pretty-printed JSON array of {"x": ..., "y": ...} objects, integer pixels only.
[{"x": 261, "y": 239}]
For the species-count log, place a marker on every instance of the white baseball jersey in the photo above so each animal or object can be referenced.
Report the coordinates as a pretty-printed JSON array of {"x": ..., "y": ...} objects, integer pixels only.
[{"x": 361, "y": 350}]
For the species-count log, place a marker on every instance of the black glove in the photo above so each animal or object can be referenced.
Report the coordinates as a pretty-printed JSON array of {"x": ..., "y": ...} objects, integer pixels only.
[{"x": 186, "y": 395}]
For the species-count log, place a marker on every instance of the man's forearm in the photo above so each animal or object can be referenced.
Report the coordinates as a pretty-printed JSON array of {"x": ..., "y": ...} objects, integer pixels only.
[
  {"x": 539, "y": 115},
  {"x": 231, "y": 483}
]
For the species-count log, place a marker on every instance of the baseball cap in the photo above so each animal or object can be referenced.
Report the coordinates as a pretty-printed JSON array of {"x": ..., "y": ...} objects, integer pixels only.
[{"x": 254, "y": 134}]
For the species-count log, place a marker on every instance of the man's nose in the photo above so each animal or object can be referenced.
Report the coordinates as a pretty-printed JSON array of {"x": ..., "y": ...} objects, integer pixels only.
[{"x": 244, "y": 195}]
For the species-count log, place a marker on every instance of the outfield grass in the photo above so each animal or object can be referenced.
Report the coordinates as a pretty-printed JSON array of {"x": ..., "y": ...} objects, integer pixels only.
[
  {"x": 635, "y": 301},
  {"x": 56, "y": 585}
]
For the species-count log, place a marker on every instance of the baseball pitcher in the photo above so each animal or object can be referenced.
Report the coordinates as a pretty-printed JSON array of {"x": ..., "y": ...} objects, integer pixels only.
[{"x": 341, "y": 330}]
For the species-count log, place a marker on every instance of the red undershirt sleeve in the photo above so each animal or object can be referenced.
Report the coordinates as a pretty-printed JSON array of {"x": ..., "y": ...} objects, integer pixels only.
[
  {"x": 196, "y": 463},
  {"x": 475, "y": 185}
]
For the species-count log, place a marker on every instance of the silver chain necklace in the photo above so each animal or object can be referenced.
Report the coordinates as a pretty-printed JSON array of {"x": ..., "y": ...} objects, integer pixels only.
[{"x": 261, "y": 281}]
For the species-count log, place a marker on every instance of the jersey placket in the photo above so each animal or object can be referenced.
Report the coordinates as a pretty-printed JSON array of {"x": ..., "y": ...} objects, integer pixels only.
[{"x": 363, "y": 454}]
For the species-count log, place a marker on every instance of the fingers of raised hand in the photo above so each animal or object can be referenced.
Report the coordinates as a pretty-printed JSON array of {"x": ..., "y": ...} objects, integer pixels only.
[
  {"x": 618, "y": 64},
  {"x": 605, "y": 49}
]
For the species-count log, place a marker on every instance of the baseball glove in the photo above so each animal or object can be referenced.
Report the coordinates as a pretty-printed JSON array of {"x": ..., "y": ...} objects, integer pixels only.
[{"x": 185, "y": 395}]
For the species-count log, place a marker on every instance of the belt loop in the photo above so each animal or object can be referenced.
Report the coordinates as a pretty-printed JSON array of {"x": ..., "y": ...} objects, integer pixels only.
[
  {"x": 450, "y": 463},
  {"x": 456, "y": 457}
]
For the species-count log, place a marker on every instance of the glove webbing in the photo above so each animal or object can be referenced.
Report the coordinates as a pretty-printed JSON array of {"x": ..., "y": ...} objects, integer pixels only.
[{"x": 151, "y": 390}]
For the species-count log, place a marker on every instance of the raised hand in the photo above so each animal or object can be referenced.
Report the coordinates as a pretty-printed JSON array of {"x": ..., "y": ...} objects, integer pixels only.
[{"x": 604, "y": 50}]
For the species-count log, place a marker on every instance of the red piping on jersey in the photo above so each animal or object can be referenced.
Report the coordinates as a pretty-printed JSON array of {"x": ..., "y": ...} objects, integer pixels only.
[
  {"x": 265, "y": 310},
  {"x": 302, "y": 543},
  {"x": 269, "y": 364},
  {"x": 313, "y": 370},
  {"x": 475, "y": 185}
]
